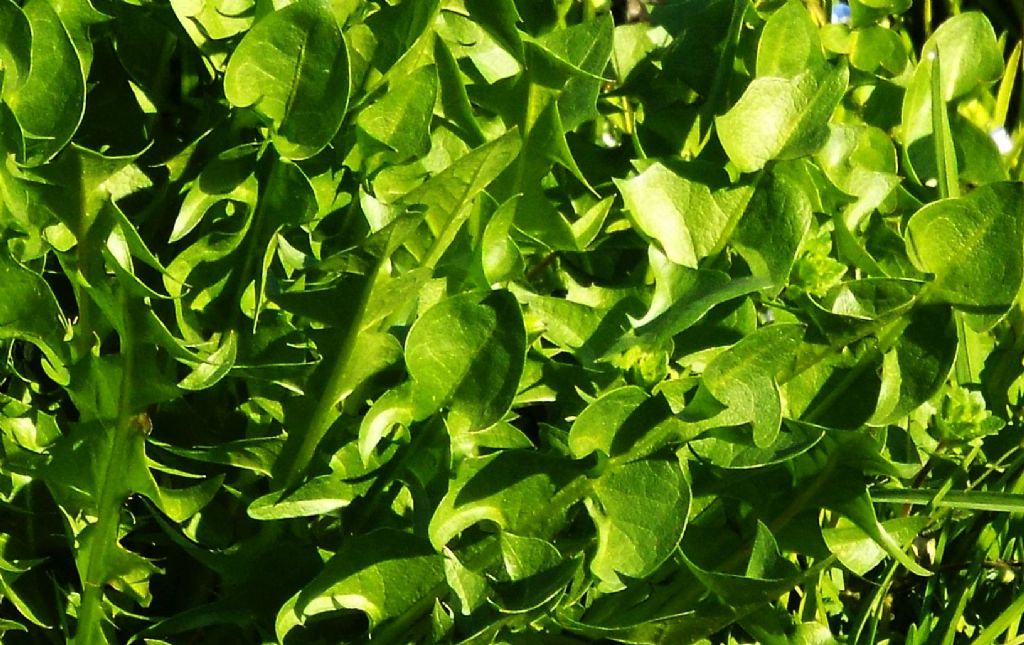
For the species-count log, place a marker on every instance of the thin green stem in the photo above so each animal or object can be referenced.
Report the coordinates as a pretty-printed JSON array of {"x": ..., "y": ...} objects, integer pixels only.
[
  {"x": 630, "y": 115},
  {"x": 969, "y": 500},
  {"x": 945, "y": 154},
  {"x": 964, "y": 366},
  {"x": 719, "y": 84},
  {"x": 589, "y": 10},
  {"x": 876, "y": 601}
]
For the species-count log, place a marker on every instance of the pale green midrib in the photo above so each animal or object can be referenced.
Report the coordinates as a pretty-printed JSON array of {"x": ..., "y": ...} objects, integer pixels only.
[
  {"x": 456, "y": 215},
  {"x": 319, "y": 421},
  {"x": 109, "y": 500}
]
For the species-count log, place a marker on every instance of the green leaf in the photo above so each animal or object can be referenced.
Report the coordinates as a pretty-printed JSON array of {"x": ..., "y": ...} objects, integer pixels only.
[
  {"x": 256, "y": 455},
  {"x": 50, "y": 102},
  {"x": 918, "y": 366},
  {"x": 470, "y": 40},
  {"x": 781, "y": 118},
  {"x": 969, "y": 57},
  {"x": 538, "y": 219},
  {"x": 78, "y": 466},
  {"x": 974, "y": 248},
  {"x": 595, "y": 428},
  {"x": 589, "y": 225},
  {"x": 871, "y": 298},
  {"x": 454, "y": 99},
  {"x": 400, "y": 33},
  {"x": 701, "y": 31},
  {"x": 686, "y": 218},
  {"x": 29, "y": 311},
  {"x": 857, "y": 551},
  {"x": 574, "y": 60},
  {"x": 125, "y": 571},
  {"x": 875, "y": 49},
  {"x": 732, "y": 447},
  {"x": 226, "y": 177},
  {"x": 15, "y": 47},
  {"x": 77, "y": 18},
  {"x": 395, "y": 408},
  {"x": 546, "y": 140},
  {"x": 499, "y": 18},
  {"x": 446, "y": 195},
  {"x": 537, "y": 573},
  {"x": 319, "y": 496},
  {"x": 624, "y": 421},
  {"x": 77, "y": 189},
  {"x": 216, "y": 20},
  {"x": 465, "y": 354},
  {"x": 789, "y": 44},
  {"x": 500, "y": 254},
  {"x": 359, "y": 576},
  {"x": 401, "y": 118},
  {"x": 376, "y": 352},
  {"x": 640, "y": 510},
  {"x": 215, "y": 366},
  {"x": 180, "y": 504},
  {"x": 513, "y": 488},
  {"x": 292, "y": 68},
  {"x": 683, "y": 296},
  {"x": 767, "y": 574},
  {"x": 469, "y": 587},
  {"x": 743, "y": 378},
  {"x": 773, "y": 229},
  {"x": 853, "y": 501},
  {"x": 970, "y": 53},
  {"x": 588, "y": 331}
]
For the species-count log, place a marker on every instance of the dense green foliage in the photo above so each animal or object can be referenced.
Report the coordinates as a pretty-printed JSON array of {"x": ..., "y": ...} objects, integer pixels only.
[{"x": 510, "y": 321}]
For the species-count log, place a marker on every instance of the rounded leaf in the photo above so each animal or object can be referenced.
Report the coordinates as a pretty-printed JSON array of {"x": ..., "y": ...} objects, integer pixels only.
[
  {"x": 293, "y": 69},
  {"x": 466, "y": 354},
  {"x": 50, "y": 102},
  {"x": 974, "y": 247},
  {"x": 640, "y": 510}
]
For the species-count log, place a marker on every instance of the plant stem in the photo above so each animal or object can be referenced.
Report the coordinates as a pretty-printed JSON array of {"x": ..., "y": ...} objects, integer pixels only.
[
  {"x": 589, "y": 10},
  {"x": 111, "y": 496}
]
